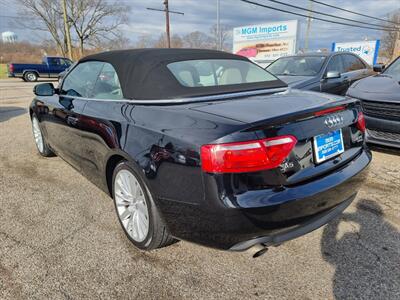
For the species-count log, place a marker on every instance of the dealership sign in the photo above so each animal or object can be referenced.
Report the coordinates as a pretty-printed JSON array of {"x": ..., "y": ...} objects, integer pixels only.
[
  {"x": 266, "y": 42},
  {"x": 367, "y": 50}
]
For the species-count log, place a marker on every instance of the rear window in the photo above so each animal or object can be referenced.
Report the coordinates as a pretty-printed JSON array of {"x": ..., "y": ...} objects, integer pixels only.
[{"x": 217, "y": 72}]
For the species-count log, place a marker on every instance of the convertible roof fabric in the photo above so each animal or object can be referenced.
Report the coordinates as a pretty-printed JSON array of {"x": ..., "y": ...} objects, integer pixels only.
[{"x": 143, "y": 73}]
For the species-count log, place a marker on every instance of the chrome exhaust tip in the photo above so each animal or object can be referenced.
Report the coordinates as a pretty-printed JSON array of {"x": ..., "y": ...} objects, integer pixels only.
[{"x": 258, "y": 250}]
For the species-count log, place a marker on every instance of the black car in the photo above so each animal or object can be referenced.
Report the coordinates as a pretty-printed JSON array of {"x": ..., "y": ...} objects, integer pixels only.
[
  {"x": 380, "y": 98},
  {"x": 203, "y": 146},
  {"x": 330, "y": 73}
]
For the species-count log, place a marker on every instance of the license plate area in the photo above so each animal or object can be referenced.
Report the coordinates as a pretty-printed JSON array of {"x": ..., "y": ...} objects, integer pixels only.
[{"x": 328, "y": 145}]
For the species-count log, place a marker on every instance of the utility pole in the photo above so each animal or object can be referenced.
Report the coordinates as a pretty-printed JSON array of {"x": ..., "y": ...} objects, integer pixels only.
[
  {"x": 167, "y": 23},
  {"x": 308, "y": 26},
  {"x": 396, "y": 48},
  {"x": 167, "y": 12},
  {"x": 218, "y": 27},
  {"x": 66, "y": 28}
]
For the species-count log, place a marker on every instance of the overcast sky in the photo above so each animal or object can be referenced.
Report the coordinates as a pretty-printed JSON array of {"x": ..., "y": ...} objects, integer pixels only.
[{"x": 201, "y": 15}]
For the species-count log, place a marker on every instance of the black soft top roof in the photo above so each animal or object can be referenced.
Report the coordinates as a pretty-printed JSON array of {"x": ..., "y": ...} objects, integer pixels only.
[{"x": 143, "y": 73}]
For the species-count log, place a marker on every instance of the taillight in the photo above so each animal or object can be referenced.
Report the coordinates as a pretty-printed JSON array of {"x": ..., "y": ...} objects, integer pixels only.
[
  {"x": 11, "y": 68},
  {"x": 361, "y": 122},
  {"x": 249, "y": 156},
  {"x": 329, "y": 110}
]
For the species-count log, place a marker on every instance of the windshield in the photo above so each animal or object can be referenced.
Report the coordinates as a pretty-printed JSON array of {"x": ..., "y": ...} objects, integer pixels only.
[
  {"x": 297, "y": 65},
  {"x": 394, "y": 70},
  {"x": 217, "y": 72}
]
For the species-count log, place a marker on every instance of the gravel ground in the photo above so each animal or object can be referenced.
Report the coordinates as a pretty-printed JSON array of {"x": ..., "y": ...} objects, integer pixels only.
[{"x": 60, "y": 238}]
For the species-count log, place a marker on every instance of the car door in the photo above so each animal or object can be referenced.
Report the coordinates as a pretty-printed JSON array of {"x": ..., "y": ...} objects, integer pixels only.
[
  {"x": 64, "y": 122},
  {"x": 99, "y": 133},
  {"x": 355, "y": 69},
  {"x": 334, "y": 85},
  {"x": 56, "y": 66}
]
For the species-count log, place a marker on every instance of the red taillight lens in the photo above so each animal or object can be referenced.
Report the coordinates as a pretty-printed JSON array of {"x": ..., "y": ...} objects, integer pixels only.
[
  {"x": 11, "y": 68},
  {"x": 329, "y": 110},
  {"x": 361, "y": 122},
  {"x": 250, "y": 156}
]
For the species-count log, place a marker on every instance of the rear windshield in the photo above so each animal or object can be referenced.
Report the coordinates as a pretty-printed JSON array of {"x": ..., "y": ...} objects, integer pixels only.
[
  {"x": 297, "y": 65},
  {"x": 217, "y": 72}
]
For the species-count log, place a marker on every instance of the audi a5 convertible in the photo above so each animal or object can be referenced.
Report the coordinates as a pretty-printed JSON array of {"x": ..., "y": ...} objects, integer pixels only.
[{"x": 203, "y": 146}]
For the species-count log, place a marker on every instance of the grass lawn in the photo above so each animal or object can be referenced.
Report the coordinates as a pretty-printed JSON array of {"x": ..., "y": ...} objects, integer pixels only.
[{"x": 3, "y": 71}]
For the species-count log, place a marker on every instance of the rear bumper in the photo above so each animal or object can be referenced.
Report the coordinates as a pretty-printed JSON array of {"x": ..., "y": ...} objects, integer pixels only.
[
  {"x": 270, "y": 216},
  {"x": 382, "y": 132},
  {"x": 288, "y": 234}
]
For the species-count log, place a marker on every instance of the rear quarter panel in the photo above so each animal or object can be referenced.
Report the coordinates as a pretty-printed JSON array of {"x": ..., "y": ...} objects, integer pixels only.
[{"x": 164, "y": 142}]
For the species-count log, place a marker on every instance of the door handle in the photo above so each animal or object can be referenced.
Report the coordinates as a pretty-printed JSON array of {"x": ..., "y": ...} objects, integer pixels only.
[{"x": 72, "y": 120}]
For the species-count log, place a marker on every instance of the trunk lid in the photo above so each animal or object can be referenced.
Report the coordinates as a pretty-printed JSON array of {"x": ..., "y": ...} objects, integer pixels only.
[
  {"x": 266, "y": 107},
  {"x": 294, "y": 113}
]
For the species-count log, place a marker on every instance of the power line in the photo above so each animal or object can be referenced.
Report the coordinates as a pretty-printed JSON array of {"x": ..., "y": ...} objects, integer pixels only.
[
  {"x": 315, "y": 18},
  {"x": 328, "y": 15},
  {"x": 353, "y": 12},
  {"x": 167, "y": 12},
  {"x": 16, "y": 17}
]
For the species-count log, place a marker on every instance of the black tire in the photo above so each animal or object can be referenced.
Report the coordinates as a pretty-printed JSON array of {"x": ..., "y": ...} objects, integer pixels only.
[
  {"x": 44, "y": 151},
  {"x": 30, "y": 76},
  {"x": 158, "y": 235}
]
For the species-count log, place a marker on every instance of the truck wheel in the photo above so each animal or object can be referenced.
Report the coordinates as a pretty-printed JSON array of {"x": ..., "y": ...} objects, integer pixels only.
[{"x": 30, "y": 77}]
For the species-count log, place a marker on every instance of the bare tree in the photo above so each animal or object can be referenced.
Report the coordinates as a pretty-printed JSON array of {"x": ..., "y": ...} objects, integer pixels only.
[
  {"x": 389, "y": 38},
  {"x": 226, "y": 36},
  {"x": 46, "y": 16},
  {"x": 197, "y": 39},
  {"x": 176, "y": 41},
  {"x": 95, "y": 21}
]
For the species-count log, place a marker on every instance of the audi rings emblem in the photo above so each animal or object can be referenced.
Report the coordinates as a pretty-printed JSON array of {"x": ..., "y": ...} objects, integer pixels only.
[{"x": 334, "y": 120}]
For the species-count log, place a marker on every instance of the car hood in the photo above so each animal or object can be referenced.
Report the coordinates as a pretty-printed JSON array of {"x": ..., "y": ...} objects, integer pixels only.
[
  {"x": 257, "y": 108},
  {"x": 295, "y": 80},
  {"x": 378, "y": 87}
]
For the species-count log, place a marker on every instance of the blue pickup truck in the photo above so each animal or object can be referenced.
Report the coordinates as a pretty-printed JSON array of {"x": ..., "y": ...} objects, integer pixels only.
[{"x": 50, "y": 67}]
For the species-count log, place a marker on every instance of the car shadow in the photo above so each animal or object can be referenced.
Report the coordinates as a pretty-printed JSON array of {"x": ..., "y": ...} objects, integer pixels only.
[
  {"x": 384, "y": 149},
  {"x": 9, "y": 112},
  {"x": 366, "y": 258}
]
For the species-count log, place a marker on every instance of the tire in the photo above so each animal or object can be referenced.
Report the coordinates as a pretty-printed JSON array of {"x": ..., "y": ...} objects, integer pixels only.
[
  {"x": 39, "y": 139},
  {"x": 132, "y": 202},
  {"x": 30, "y": 76}
]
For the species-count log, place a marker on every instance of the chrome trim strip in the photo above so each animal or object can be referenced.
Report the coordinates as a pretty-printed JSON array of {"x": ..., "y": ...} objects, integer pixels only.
[{"x": 189, "y": 100}]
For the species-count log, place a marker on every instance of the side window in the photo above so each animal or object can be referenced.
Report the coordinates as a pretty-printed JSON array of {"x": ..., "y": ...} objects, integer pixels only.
[
  {"x": 353, "y": 63},
  {"x": 107, "y": 84},
  {"x": 82, "y": 79},
  {"x": 335, "y": 64},
  {"x": 64, "y": 62},
  {"x": 53, "y": 61}
]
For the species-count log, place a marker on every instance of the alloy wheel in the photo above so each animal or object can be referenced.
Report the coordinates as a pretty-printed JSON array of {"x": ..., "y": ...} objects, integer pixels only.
[
  {"x": 131, "y": 205},
  {"x": 37, "y": 134}
]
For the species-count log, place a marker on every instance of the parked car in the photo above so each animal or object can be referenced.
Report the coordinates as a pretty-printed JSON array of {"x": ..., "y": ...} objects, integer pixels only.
[
  {"x": 323, "y": 72},
  {"x": 50, "y": 67},
  {"x": 380, "y": 98},
  {"x": 204, "y": 146}
]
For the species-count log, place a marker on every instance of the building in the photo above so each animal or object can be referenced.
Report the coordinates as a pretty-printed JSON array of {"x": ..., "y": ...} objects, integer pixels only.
[{"x": 9, "y": 37}]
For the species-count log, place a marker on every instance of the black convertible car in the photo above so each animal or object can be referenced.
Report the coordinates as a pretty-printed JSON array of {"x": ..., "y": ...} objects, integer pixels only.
[
  {"x": 203, "y": 146},
  {"x": 380, "y": 98}
]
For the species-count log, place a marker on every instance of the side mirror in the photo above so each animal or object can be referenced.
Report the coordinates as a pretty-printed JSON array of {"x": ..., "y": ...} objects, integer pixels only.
[
  {"x": 44, "y": 89},
  {"x": 379, "y": 68},
  {"x": 332, "y": 74}
]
